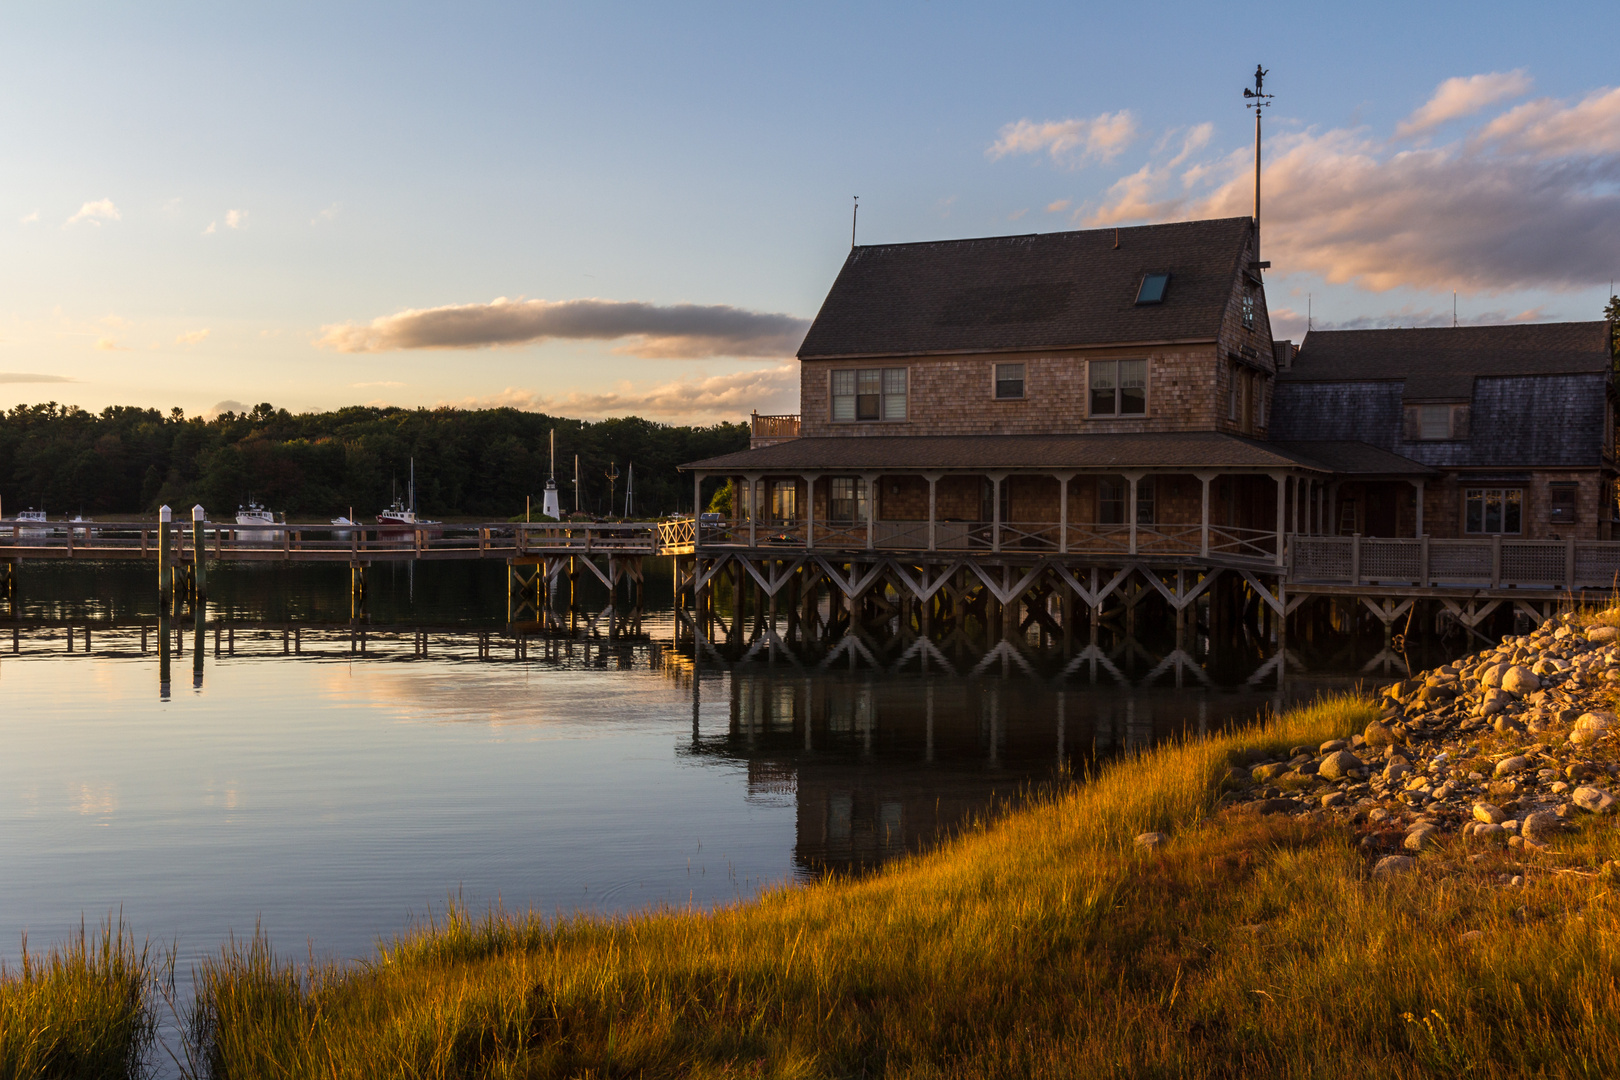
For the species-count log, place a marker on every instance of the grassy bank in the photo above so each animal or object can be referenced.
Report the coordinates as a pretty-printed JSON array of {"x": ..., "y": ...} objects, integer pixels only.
[
  {"x": 1045, "y": 944},
  {"x": 85, "y": 1009}
]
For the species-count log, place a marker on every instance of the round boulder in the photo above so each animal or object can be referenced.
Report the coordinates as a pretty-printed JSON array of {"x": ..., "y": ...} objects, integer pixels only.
[
  {"x": 1152, "y": 840},
  {"x": 1519, "y": 679},
  {"x": 1337, "y": 765},
  {"x": 1509, "y": 766},
  {"x": 1591, "y": 727},
  {"x": 1602, "y": 634},
  {"x": 1594, "y": 800},
  {"x": 1378, "y": 734},
  {"x": 1486, "y": 812},
  {"x": 1540, "y": 826},
  {"x": 1390, "y": 865}
]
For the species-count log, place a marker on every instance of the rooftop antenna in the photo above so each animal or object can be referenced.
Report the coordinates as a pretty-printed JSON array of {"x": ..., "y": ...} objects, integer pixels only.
[
  {"x": 1258, "y": 100},
  {"x": 612, "y": 475},
  {"x": 1454, "y": 309},
  {"x": 1307, "y": 313},
  {"x": 853, "y": 220}
]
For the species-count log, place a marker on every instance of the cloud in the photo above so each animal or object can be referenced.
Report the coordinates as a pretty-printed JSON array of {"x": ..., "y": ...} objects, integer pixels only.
[
  {"x": 29, "y": 218},
  {"x": 1464, "y": 96},
  {"x": 212, "y": 228},
  {"x": 1068, "y": 142},
  {"x": 191, "y": 337},
  {"x": 228, "y": 405},
  {"x": 236, "y": 219},
  {"x": 325, "y": 215},
  {"x": 681, "y": 331},
  {"x": 708, "y": 398},
  {"x": 1057, "y": 207},
  {"x": 362, "y": 385},
  {"x": 1016, "y": 214},
  {"x": 1529, "y": 200},
  {"x": 29, "y": 377},
  {"x": 94, "y": 213},
  {"x": 1289, "y": 323},
  {"x": 110, "y": 344}
]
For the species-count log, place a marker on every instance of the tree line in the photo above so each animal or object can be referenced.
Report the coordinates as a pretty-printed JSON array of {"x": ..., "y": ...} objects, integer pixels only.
[{"x": 469, "y": 462}]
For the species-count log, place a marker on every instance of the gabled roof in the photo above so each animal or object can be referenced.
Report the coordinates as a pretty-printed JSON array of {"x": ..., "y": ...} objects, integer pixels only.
[
  {"x": 1441, "y": 363},
  {"x": 1041, "y": 291}
]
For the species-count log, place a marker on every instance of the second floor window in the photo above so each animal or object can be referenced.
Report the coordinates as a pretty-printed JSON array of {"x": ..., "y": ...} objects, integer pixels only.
[
  {"x": 1248, "y": 311},
  {"x": 1118, "y": 387},
  {"x": 1009, "y": 381},
  {"x": 869, "y": 394}
]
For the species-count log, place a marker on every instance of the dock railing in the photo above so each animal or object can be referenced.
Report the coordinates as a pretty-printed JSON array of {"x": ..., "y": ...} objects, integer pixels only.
[{"x": 1493, "y": 562}]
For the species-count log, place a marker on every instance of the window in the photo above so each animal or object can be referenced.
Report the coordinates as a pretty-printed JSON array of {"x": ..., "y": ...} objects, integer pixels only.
[
  {"x": 1009, "y": 381},
  {"x": 1118, "y": 387},
  {"x": 1248, "y": 311},
  {"x": 1114, "y": 497},
  {"x": 1152, "y": 290},
  {"x": 1493, "y": 510},
  {"x": 784, "y": 502},
  {"x": 1434, "y": 422},
  {"x": 987, "y": 499},
  {"x": 846, "y": 499},
  {"x": 1260, "y": 402},
  {"x": 1562, "y": 501},
  {"x": 1233, "y": 394},
  {"x": 869, "y": 394}
]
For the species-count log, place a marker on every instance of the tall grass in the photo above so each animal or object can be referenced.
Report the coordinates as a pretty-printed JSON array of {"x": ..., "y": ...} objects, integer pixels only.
[{"x": 85, "y": 1009}]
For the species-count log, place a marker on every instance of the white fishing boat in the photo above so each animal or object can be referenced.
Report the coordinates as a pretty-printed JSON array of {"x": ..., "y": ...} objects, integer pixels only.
[
  {"x": 255, "y": 514},
  {"x": 400, "y": 519},
  {"x": 32, "y": 516}
]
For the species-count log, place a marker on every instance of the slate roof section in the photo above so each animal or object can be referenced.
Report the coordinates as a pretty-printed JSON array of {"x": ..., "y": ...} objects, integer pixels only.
[
  {"x": 1445, "y": 360},
  {"x": 1020, "y": 293},
  {"x": 1190, "y": 450}
]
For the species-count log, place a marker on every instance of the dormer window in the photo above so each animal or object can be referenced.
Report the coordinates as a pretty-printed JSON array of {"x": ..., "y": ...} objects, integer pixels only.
[{"x": 1152, "y": 290}]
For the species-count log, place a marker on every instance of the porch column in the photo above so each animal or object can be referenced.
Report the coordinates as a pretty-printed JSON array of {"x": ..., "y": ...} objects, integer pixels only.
[
  {"x": 933, "y": 479},
  {"x": 1130, "y": 505},
  {"x": 1419, "y": 523},
  {"x": 753, "y": 509},
  {"x": 1203, "y": 530},
  {"x": 1063, "y": 511},
  {"x": 871, "y": 480},
  {"x": 1298, "y": 486},
  {"x": 995, "y": 510},
  {"x": 1282, "y": 507},
  {"x": 1331, "y": 505},
  {"x": 697, "y": 510},
  {"x": 810, "y": 509}
]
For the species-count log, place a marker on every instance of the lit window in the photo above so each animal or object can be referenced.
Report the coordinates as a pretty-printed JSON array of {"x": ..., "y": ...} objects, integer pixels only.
[
  {"x": 869, "y": 394},
  {"x": 784, "y": 502},
  {"x": 1152, "y": 290},
  {"x": 1118, "y": 387},
  {"x": 1493, "y": 510},
  {"x": 846, "y": 501},
  {"x": 1248, "y": 311},
  {"x": 1009, "y": 380}
]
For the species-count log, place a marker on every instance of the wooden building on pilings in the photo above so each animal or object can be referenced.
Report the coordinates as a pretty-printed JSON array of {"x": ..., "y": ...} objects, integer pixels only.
[{"x": 1028, "y": 431}]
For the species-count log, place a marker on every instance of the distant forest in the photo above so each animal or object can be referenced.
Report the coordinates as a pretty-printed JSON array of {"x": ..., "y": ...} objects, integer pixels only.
[{"x": 480, "y": 463}]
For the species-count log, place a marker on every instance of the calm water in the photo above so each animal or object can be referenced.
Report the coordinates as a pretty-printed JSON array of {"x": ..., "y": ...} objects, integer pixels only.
[{"x": 330, "y": 795}]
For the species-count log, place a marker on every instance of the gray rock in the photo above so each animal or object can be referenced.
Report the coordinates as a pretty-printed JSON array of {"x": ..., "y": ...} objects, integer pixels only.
[
  {"x": 1591, "y": 727},
  {"x": 1520, "y": 680},
  {"x": 1377, "y": 734},
  {"x": 1337, "y": 765},
  {"x": 1152, "y": 840},
  {"x": 1594, "y": 800},
  {"x": 1540, "y": 826},
  {"x": 1390, "y": 865},
  {"x": 1509, "y": 766},
  {"x": 1420, "y": 838}
]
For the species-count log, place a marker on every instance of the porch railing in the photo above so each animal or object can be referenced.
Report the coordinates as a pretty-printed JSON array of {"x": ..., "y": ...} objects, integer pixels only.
[{"x": 1486, "y": 562}]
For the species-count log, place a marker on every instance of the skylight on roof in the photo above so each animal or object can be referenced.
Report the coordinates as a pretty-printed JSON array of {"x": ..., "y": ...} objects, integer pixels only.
[{"x": 1152, "y": 290}]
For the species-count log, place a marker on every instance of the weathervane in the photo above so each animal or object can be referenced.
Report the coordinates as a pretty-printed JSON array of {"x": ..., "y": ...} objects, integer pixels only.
[
  {"x": 1258, "y": 100},
  {"x": 612, "y": 475}
]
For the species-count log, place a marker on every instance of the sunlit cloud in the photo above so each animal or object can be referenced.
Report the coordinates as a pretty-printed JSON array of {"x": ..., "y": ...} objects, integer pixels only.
[
  {"x": 1057, "y": 207},
  {"x": 1464, "y": 96},
  {"x": 213, "y": 227},
  {"x": 1292, "y": 324},
  {"x": 1530, "y": 199},
  {"x": 191, "y": 337},
  {"x": 680, "y": 331},
  {"x": 229, "y": 405},
  {"x": 31, "y": 377},
  {"x": 29, "y": 218},
  {"x": 705, "y": 399},
  {"x": 236, "y": 219},
  {"x": 94, "y": 213},
  {"x": 1071, "y": 143},
  {"x": 110, "y": 344},
  {"x": 383, "y": 382}
]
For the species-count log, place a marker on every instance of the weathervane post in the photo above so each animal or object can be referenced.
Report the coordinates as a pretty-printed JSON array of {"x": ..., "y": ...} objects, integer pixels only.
[{"x": 1258, "y": 100}]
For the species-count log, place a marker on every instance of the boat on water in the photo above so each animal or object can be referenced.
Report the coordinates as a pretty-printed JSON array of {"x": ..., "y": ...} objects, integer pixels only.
[
  {"x": 26, "y": 517},
  {"x": 255, "y": 514},
  {"x": 400, "y": 519}
]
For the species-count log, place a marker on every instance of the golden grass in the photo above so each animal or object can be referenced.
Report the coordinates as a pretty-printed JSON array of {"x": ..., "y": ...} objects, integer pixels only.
[{"x": 86, "y": 1009}]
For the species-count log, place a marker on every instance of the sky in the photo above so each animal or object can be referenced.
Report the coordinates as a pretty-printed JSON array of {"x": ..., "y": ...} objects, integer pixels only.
[{"x": 610, "y": 209}]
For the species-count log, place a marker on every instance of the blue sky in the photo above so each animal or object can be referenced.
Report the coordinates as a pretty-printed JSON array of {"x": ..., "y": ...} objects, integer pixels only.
[{"x": 209, "y": 203}]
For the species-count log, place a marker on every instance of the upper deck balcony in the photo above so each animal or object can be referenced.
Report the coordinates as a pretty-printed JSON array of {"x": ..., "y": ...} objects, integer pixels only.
[{"x": 770, "y": 430}]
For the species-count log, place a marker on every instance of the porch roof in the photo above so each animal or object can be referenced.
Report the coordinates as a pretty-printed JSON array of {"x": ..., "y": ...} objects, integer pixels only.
[
  {"x": 1191, "y": 451},
  {"x": 1355, "y": 458}
]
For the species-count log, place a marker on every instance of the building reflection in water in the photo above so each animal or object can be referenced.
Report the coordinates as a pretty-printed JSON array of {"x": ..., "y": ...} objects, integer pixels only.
[{"x": 878, "y": 763}]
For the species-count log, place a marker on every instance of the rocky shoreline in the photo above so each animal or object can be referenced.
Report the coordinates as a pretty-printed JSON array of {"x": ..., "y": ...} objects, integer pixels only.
[{"x": 1505, "y": 748}]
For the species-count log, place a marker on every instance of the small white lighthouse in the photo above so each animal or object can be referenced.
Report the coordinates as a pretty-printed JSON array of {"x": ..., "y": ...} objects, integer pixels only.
[{"x": 551, "y": 506}]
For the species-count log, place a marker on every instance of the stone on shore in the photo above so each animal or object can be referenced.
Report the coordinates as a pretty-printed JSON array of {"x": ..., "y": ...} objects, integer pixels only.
[
  {"x": 1377, "y": 734},
  {"x": 1594, "y": 800},
  {"x": 1520, "y": 680},
  {"x": 1488, "y": 813},
  {"x": 1540, "y": 826},
  {"x": 1390, "y": 865},
  {"x": 1152, "y": 840},
  {"x": 1591, "y": 727},
  {"x": 1509, "y": 766},
  {"x": 1338, "y": 765}
]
